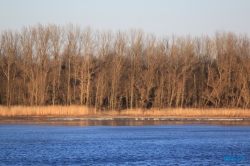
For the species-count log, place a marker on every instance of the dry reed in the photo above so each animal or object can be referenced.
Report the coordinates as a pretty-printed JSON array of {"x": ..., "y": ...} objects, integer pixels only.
[{"x": 78, "y": 111}]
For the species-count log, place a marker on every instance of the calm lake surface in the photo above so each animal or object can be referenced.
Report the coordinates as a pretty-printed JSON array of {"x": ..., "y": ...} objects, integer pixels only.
[{"x": 181, "y": 144}]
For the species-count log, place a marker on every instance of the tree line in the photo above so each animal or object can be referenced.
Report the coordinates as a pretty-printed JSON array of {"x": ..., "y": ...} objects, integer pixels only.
[{"x": 70, "y": 65}]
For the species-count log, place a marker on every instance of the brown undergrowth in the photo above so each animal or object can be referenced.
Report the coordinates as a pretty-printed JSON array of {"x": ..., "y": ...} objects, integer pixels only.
[{"x": 79, "y": 111}]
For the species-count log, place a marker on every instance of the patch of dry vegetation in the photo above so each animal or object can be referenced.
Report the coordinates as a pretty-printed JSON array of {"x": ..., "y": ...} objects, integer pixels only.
[{"x": 77, "y": 111}]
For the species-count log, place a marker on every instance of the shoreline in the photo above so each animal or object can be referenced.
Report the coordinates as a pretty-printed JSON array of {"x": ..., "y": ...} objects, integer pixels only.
[
  {"x": 81, "y": 115},
  {"x": 124, "y": 120},
  {"x": 152, "y": 118}
]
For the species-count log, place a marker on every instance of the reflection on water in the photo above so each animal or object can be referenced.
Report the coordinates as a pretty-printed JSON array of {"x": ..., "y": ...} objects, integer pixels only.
[{"x": 122, "y": 122}]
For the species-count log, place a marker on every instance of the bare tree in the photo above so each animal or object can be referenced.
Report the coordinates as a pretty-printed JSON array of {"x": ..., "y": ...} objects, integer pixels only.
[
  {"x": 9, "y": 51},
  {"x": 56, "y": 62},
  {"x": 136, "y": 40}
]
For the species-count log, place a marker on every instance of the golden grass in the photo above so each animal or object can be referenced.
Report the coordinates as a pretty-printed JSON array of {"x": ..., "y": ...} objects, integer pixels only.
[
  {"x": 16, "y": 111},
  {"x": 78, "y": 111}
]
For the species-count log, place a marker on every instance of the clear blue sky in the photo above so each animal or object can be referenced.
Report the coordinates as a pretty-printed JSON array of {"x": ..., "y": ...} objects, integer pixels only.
[{"x": 161, "y": 17}]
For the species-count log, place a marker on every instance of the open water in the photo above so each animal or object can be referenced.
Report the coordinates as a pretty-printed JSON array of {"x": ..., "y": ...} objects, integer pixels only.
[{"x": 181, "y": 144}]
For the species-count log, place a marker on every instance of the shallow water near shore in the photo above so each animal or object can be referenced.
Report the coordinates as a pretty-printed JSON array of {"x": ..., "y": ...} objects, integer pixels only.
[
  {"x": 183, "y": 144},
  {"x": 124, "y": 121}
]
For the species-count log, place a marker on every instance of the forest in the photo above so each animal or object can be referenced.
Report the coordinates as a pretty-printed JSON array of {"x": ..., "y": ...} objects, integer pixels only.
[{"x": 69, "y": 65}]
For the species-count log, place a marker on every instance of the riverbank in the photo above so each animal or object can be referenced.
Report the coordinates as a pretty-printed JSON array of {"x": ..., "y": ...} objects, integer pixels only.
[
  {"x": 83, "y": 111},
  {"x": 124, "y": 120}
]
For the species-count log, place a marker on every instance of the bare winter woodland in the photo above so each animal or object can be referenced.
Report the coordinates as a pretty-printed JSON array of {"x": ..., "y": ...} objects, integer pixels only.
[{"x": 105, "y": 70}]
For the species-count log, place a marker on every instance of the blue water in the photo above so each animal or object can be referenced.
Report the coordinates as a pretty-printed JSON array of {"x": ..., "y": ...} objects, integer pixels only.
[{"x": 124, "y": 145}]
